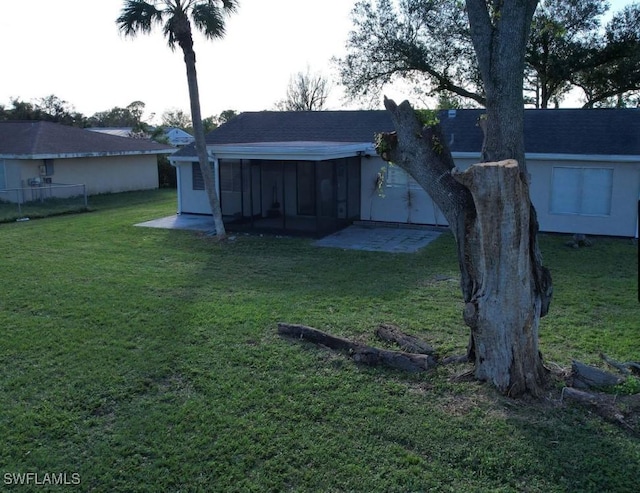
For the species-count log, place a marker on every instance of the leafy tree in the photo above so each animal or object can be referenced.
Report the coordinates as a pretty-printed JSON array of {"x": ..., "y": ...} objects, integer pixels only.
[
  {"x": 562, "y": 33},
  {"x": 504, "y": 285},
  {"x": 215, "y": 121},
  {"x": 611, "y": 73},
  {"x": 57, "y": 110},
  {"x": 50, "y": 108},
  {"x": 306, "y": 92},
  {"x": 225, "y": 116},
  {"x": 130, "y": 116},
  {"x": 423, "y": 42},
  {"x": 429, "y": 45},
  {"x": 176, "y": 17},
  {"x": 176, "y": 118}
]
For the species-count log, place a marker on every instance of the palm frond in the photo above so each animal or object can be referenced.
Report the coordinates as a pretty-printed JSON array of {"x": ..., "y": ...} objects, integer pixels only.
[
  {"x": 209, "y": 16},
  {"x": 138, "y": 16},
  {"x": 177, "y": 29}
]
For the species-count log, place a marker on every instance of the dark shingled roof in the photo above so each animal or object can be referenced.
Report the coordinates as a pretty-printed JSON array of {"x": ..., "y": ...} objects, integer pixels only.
[
  {"x": 33, "y": 138},
  {"x": 558, "y": 131}
]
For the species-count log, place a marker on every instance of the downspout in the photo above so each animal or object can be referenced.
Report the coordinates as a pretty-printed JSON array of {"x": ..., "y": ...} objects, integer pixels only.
[{"x": 178, "y": 184}]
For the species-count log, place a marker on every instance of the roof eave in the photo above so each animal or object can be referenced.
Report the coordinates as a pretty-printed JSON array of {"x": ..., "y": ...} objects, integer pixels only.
[
  {"x": 71, "y": 155},
  {"x": 289, "y": 151},
  {"x": 541, "y": 156}
]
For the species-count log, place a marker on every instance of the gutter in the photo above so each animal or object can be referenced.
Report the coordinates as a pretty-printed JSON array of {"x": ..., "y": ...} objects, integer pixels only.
[
  {"x": 71, "y": 155},
  {"x": 539, "y": 156}
]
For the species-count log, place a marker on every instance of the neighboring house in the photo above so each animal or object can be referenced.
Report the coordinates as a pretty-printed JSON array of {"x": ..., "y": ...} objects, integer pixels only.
[
  {"x": 115, "y": 131},
  {"x": 314, "y": 172},
  {"x": 37, "y": 156},
  {"x": 175, "y": 136},
  {"x": 178, "y": 137}
]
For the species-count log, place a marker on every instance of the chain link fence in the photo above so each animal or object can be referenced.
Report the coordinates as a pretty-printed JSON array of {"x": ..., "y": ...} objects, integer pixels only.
[{"x": 41, "y": 201}]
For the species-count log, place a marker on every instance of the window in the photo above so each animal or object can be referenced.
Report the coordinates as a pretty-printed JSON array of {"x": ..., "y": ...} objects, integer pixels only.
[
  {"x": 230, "y": 177},
  {"x": 48, "y": 167},
  {"x": 3, "y": 182},
  {"x": 196, "y": 177},
  {"x": 584, "y": 191},
  {"x": 397, "y": 177}
]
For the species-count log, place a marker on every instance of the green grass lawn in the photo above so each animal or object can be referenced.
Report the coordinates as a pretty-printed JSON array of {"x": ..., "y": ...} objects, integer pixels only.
[{"x": 148, "y": 360}]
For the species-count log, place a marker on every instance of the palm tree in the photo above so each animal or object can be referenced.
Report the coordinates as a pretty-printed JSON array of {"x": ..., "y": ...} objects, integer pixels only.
[{"x": 176, "y": 17}]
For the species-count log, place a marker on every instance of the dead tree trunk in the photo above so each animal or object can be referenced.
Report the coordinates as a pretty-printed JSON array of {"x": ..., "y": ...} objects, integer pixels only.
[
  {"x": 504, "y": 285},
  {"x": 503, "y": 312}
]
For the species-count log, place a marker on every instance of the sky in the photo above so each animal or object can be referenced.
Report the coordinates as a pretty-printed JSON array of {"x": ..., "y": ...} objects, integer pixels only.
[{"x": 73, "y": 50}]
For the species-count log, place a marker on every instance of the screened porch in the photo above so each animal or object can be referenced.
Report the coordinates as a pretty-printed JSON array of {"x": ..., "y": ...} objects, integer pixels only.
[{"x": 295, "y": 197}]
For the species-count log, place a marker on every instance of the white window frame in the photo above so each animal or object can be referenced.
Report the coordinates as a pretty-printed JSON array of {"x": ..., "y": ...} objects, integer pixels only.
[{"x": 581, "y": 191}]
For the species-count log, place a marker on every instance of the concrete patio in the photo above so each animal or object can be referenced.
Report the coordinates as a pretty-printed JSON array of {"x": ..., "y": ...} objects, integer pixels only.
[{"x": 372, "y": 238}]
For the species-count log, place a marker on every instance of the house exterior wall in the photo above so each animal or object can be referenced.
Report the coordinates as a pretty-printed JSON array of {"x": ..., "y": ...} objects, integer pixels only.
[
  {"x": 12, "y": 175},
  {"x": 624, "y": 194},
  {"x": 12, "y": 181},
  {"x": 191, "y": 201},
  {"x": 391, "y": 203},
  {"x": 109, "y": 174},
  {"x": 408, "y": 203},
  {"x": 396, "y": 201},
  {"x": 98, "y": 174}
]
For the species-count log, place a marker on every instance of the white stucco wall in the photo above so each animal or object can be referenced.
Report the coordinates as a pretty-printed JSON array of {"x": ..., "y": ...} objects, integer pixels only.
[
  {"x": 625, "y": 190},
  {"x": 399, "y": 204},
  {"x": 12, "y": 173},
  {"x": 98, "y": 174},
  {"x": 621, "y": 221},
  {"x": 191, "y": 201},
  {"x": 393, "y": 206}
]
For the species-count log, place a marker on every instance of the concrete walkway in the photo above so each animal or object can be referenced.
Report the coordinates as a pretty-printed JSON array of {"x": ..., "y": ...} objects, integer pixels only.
[
  {"x": 191, "y": 222},
  {"x": 380, "y": 239},
  {"x": 372, "y": 238}
]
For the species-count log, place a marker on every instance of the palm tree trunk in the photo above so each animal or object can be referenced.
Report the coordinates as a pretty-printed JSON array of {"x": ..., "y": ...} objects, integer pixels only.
[{"x": 201, "y": 144}]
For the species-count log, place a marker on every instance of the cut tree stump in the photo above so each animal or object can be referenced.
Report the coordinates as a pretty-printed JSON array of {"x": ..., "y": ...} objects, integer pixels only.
[
  {"x": 407, "y": 342},
  {"x": 361, "y": 353}
]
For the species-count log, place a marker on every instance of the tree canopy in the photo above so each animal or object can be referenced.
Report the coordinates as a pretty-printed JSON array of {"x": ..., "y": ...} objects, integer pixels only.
[
  {"x": 429, "y": 44},
  {"x": 49, "y": 108},
  {"x": 129, "y": 116}
]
